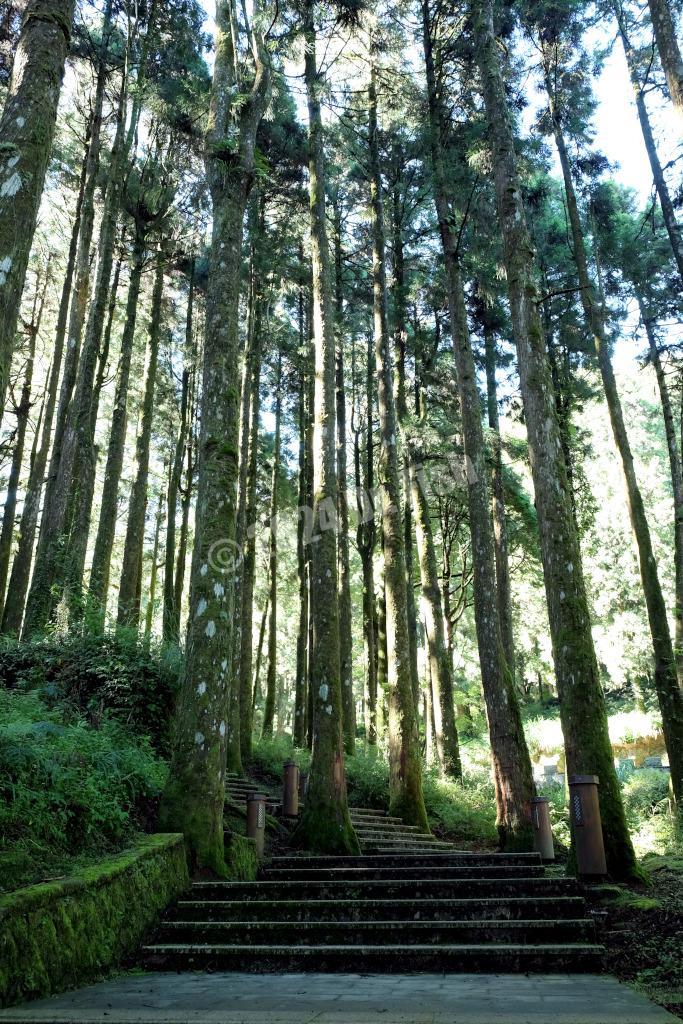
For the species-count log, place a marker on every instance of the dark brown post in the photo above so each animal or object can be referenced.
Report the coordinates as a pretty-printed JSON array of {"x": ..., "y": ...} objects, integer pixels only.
[
  {"x": 587, "y": 827},
  {"x": 256, "y": 819},
  {"x": 290, "y": 790}
]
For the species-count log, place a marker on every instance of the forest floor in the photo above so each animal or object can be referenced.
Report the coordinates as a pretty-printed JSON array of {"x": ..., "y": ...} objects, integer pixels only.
[{"x": 643, "y": 932}]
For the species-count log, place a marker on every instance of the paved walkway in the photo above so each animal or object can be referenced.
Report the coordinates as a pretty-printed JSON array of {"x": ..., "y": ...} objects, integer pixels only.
[{"x": 346, "y": 999}]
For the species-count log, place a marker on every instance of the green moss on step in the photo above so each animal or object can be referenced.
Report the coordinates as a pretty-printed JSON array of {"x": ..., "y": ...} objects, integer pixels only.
[
  {"x": 241, "y": 858},
  {"x": 63, "y": 933}
]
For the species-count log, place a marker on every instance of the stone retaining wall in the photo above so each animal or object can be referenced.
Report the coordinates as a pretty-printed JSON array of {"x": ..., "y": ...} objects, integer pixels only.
[{"x": 59, "y": 934}]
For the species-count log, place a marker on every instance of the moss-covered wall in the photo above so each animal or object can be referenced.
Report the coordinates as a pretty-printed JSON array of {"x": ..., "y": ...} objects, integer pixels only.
[{"x": 59, "y": 934}]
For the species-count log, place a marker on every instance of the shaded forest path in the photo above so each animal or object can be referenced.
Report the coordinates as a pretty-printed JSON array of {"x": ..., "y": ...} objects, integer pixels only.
[{"x": 409, "y": 903}]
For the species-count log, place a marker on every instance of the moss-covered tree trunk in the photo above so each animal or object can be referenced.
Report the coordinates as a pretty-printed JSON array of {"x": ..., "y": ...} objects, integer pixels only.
[
  {"x": 405, "y": 768},
  {"x": 669, "y": 49},
  {"x": 669, "y": 693},
  {"x": 271, "y": 675},
  {"x": 128, "y": 613},
  {"x": 325, "y": 824},
  {"x": 27, "y": 128},
  {"x": 195, "y": 793},
  {"x": 345, "y": 638},
  {"x": 511, "y": 762},
  {"x": 106, "y": 529},
  {"x": 582, "y": 703}
]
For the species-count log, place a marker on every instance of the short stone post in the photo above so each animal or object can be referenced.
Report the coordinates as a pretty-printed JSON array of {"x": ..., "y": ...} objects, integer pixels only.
[
  {"x": 303, "y": 786},
  {"x": 587, "y": 827},
  {"x": 256, "y": 820},
  {"x": 290, "y": 790},
  {"x": 543, "y": 833}
]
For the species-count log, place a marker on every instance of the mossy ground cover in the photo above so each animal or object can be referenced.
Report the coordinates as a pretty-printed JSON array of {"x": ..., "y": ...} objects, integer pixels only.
[{"x": 643, "y": 931}]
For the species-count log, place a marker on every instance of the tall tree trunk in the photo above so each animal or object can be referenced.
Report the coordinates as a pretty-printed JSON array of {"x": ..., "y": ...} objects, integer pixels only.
[
  {"x": 582, "y": 703},
  {"x": 299, "y": 727},
  {"x": 21, "y": 567},
  {"x": 673, "y": 228},
  {"x": 670, "y": 55},
  {"x": 66, "y": 516},
  {"x": 324, "y": 824},
  {"x": 405, "y": 769},
  {"x": 185, "y": 505},
  {"x": 195, "y": 793},
  {"x": 676, "y": 480},
  {"x": 271, "y": 676},
  {"x": 259, "y": 655},
  {"x": 669, "y": 693},
  {"x": 22, "y": 412},
  {"x": 27, "y": 129},
  {"x": 249, "y": 548},
  {"x": 131, "y": 566},
  {"x": 234, "y": 741},
  {"x": 171, "y": 614},
  {"x": 365, "y": 542},
  {"x": 106, "y": 530},
  {"x": 345, "y": 624},
  {"x": 151, "y": 598},
  {"x": 500, "y": 533},
  {"x": 400, "y": 343},
  {"x": 511, "y": 762}
]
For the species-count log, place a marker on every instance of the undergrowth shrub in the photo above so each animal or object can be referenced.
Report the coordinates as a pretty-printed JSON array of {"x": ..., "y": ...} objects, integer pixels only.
[
  {"x": 268, "y": 757},
  {"x": 110, "y": 673},
  {"x": 463, "y": 811},
  {"x": 67, "y": 789},
  {"x": 645, "y": 792}
]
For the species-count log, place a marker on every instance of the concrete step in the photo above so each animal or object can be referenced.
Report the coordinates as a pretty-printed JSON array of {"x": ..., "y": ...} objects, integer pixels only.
[
  {"x": 374, "y": 819},
  {"x": 414, "y": 888},
  {"x": 511, "y": 908},
  {"x": 544, "y": 957},
  {"x": 405, "y": 860},
  {"x": 373, "y": 848},
  {"x": 354, "y": 933},
  {"x": 372, "y": 810},
  {"x": 386, "y": 828},
  {"x": 364, "y": 872}
]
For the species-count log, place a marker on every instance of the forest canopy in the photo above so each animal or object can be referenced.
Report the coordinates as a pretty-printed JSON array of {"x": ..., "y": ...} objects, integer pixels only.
[{"x": 340, "y": 370}]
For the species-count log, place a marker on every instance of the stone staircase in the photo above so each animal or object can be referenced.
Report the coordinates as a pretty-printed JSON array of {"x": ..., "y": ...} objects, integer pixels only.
[
  {"x": 238, "y": 788},
  {"x": 409, "y": 903}
]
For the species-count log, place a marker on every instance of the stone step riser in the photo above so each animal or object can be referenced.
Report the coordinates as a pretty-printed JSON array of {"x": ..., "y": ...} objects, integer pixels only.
[
  {"x": 410, "y": 933},
  {"x": 399, "y": 889},
  {"x": 398, "y": 832},
  {"x": 491, "y": 909},
  {"x": 401, "y": 873},
  {"x": 391, "y": 829},
  {"x": 388, "y": 959},
  {"x": 408, "y": 861}
]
